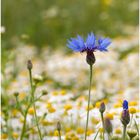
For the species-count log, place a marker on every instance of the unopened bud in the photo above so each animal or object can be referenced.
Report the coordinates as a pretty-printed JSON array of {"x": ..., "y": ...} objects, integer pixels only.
[
  {"x": 131, "y": 133},
  {"x": 90, "y": 58},
  {"x": 37, "y": 79},
  {"x": 108, "y": 125},
  {"x": 125, "y": 117},
  {"x": 102, "y": 107},
  {"x": 29, "y": 64},
  {"x": 44, "y": 92},
  {"x": 16, "y": 94},
  {"x": 58, "y": 126}
]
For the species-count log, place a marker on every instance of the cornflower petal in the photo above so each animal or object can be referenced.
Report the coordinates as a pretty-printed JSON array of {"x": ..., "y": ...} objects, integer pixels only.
[
  {"x": 103, "y": 44},
  {"x": 90, "y": 41}
]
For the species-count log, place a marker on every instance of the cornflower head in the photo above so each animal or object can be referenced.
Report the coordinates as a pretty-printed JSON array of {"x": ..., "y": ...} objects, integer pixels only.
[
  {"x": 125, "y": 105},
  {"x": 125, "y": 116},
  {"x": 89, "y": 46}
]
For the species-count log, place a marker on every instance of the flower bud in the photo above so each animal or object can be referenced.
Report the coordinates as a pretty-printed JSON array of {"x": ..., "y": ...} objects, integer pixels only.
[
  {"x": 58, "y": 126},
  {"x": 90, "y": 58},
  {"x": 29, "y": 65},
  {"x": 102, "y": 107},
  {"x": 16, "y": 94},
  {"x": 131, "y": 133},
  {"x": 108, "y": 125},
  {"x": 37, "y": 79},
  {"x": 125, "y": 117},
  {"x": 44, "y": 92}
]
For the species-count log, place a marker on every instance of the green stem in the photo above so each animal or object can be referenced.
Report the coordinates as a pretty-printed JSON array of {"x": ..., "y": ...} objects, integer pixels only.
[
  {"x": 59, "y": 135},
  {"x": 124, "y": 132},
  {"x": 88, "y": 102},
  {"x": 102, "y": 117},
  {"x": 24, "y": 126},
  {"x": 32, "y": 93},
  {"x": 96, "y": 134}
]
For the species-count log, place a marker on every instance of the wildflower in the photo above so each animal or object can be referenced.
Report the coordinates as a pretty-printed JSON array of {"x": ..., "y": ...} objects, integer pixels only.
[
  {"x": 55, "y": 93},
  {"x": 132, "y": 110},
  {"x": 15, "y": 135},
  {"x": 125, "y": 105},
  {"x": 89, "y": 46},
  {"x": 90, "y": 107},
  {"x": 56, "y": 133},
  {"x": 133, "y": 103},
  {"x": 118, "y": 131},
  {"x": 51, "y": 109},
  {"x": 125, "y": 116},
  {"x": 31, "y": 111},
  {"x": 117, "y": 105},
  {"x": 97, "y": 105},
  {"x": 4, "y": 136},
  {"x": 68, "y": 107},
  {"x": 110, "y": 116},
  {"x": 15, "y": 112},
  {"x": 94, "y": 120},
  {"x": 80, "y": 130},
  {"x": 67, "y": 129},
  {"x": 89, "y": 132},
  {"x": 22, "y": 96},
  {"x": 101, "y": 130},
  {"x": 63, "y": 92}
]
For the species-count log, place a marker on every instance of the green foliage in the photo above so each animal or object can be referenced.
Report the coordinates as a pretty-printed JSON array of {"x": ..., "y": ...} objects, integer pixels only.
[{"x": 44, "y": 22}]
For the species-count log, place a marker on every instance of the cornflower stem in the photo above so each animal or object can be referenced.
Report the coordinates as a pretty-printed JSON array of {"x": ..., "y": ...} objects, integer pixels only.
[
  {"x": 88, "y": 101},
  {"x": 35, "y": 114},
  {"x": 59, "y": 134},
  {"x": 124, "y": 131},
  {"x": 102, "y": 118}
]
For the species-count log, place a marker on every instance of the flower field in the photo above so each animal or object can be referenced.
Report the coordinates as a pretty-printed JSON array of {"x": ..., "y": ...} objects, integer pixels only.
[
  {"x": 61, "y": 92},
  {"x": 69, "y": 70}
]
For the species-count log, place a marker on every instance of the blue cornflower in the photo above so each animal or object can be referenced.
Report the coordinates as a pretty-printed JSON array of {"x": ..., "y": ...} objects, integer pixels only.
[
  {"x": 125, "y": 116},
  {"x": 125, "y": 105},
  {"x": 90, "y": 45}
]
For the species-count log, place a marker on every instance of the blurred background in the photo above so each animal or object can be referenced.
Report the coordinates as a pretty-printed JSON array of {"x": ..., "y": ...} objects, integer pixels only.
[
  {"x": 39, "y": 30},
  {"x": 51, "y": 22}
]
